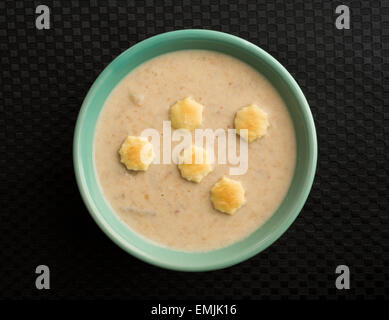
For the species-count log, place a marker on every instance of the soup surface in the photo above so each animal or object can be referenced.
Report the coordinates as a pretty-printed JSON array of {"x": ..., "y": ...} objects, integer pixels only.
[{"x": 159, "y": 204}]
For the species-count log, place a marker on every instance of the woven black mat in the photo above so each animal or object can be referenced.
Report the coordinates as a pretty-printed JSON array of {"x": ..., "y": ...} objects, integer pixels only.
[{"x": 45, "y": 75}]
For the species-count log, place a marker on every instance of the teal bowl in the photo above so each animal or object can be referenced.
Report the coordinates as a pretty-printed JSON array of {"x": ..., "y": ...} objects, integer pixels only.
[{"x": 264, "y": 236}]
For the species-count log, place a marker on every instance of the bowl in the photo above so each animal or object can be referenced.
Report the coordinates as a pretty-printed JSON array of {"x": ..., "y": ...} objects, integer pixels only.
[{"x": 260, "y": 239}]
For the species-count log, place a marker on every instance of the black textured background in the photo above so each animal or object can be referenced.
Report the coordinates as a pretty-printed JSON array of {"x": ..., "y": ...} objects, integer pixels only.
[{"x": 45, "y": 75}]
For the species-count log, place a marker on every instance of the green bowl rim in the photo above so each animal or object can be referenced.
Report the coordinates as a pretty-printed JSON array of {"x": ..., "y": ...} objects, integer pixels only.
[{"x": 248, "y": 46}]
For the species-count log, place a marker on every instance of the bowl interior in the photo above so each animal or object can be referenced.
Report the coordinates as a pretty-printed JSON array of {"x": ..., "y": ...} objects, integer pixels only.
[{"x": 262, "y": 237}]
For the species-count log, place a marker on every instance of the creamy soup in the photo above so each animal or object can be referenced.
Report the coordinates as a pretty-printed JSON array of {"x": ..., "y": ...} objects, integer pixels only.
[{"x": 158, "y": 203}]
